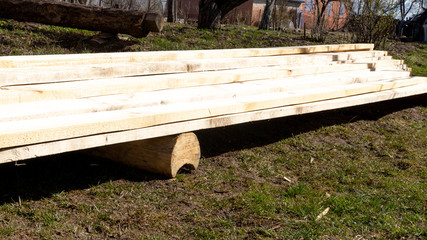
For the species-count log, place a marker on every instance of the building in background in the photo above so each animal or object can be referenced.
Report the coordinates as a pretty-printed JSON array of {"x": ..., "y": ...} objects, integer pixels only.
[
  {"x": 336, "y": 14},
  {"x": 288, "y": 13}
]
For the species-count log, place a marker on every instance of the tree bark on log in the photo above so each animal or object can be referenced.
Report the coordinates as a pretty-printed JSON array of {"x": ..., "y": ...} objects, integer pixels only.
[
  {"x": 211, "y": 12},
  {"x": 163, "y": 155},
  {"x": 132, "y": 22}
]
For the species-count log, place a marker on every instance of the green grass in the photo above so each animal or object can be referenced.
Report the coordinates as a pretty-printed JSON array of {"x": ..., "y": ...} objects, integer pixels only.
[
  {"x": 368, "y": 165},
  {"x": 416, "y": 59}
]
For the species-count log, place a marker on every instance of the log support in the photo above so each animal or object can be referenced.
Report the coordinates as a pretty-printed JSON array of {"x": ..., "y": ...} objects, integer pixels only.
[{"x": 163, "y": 155}]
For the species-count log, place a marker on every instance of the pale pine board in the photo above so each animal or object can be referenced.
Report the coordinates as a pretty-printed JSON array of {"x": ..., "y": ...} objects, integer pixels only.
[
  {"x": 354, "y": 55},
  {"x": 25, "y": 76},
  {"x": 130, "y": 85},
  {"x": 16, "y": 112},
  {"x": 52, "y": 129},
  {"x": 129, "y": 57},
  {"x": 74, "y": 144},
  {"x": 52, "y": 74},
  {"x": 21, "y": 76}
]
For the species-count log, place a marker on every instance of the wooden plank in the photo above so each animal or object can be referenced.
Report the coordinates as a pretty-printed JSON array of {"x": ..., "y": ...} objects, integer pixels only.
[
  {"x": 16, "y": 76},
  {"x": 74, "y": 144},
  {"x": 353, "y": 55},
  {"x": 371, "y": 59},
  {"x": 383, "y": 63},
  {"x": 130, "y": 85},
  {"x": 14, "y": 112},
  {"x": 22, "y": 76},
  {"x": 250, "y": 62},
  {"x": 25, "y": 76},
  {"x": 401, "y": 67},
  {"x": 42, "y": 130},
  {"x": 17, "y": 112},
  {"x": 108, "y": 58}
]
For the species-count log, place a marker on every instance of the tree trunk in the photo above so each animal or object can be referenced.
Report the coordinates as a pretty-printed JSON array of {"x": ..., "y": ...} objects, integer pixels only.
[
  {"x": 318, "y": 32},
  {"x": 171, "y": 11},
  {"x": 211, "y": 12},
  {"x": 266, "y": 16},
  {"x": 209, "y": 15},
  {"x": 132, "y": 22}
]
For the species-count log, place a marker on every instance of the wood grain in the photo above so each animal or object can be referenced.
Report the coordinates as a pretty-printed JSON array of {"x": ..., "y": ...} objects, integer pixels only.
[
  {"x": 107, "y": 58},
  {"x": 74, "y": 144},
  {"x": 51, "y": 129}
]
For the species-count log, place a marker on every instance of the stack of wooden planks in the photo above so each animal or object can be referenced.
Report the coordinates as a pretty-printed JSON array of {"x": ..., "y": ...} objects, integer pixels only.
[{"x": 60, "y": 103}]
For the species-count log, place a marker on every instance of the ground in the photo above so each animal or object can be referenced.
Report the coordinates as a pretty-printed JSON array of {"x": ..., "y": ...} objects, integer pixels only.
[{"x": 261, "y": 180}]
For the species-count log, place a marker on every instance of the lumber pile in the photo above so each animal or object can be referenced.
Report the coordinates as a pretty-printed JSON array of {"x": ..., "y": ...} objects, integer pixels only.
[{"x": 60, "y": 103}]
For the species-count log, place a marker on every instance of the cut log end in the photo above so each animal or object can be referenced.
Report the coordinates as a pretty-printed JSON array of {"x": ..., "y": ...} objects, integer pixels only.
[
  {"x": 185, "y": 153},
  {"x": 164, "y": 155}
]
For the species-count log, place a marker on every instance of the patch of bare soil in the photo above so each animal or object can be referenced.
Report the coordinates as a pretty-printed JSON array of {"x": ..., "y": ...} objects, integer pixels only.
[{"x": 398, "y": 48}]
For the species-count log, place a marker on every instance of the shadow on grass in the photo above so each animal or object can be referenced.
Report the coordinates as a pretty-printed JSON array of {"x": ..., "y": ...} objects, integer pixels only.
[
  {"x": 74, "y": 40},
  {"x": 78, "y": 42},
  {"x": 35, "y": 179},
  {"x": 217, "y": 141},
  {"x": 38, "y": 178}
]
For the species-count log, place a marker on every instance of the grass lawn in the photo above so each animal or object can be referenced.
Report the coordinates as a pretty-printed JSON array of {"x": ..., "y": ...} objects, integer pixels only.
[
  {"x": 417, "y": 59},
  {"x": 355, "y": 173}
]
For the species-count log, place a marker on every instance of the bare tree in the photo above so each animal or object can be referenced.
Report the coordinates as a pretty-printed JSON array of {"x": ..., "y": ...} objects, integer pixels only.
[
  {"x": 211, "y": 12},
  {"x": 372, "y": 21},
  {"x": 266, "y": 16},
  {"x": 405, "y": 7},
  {"x": 319, "y": 32}
]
